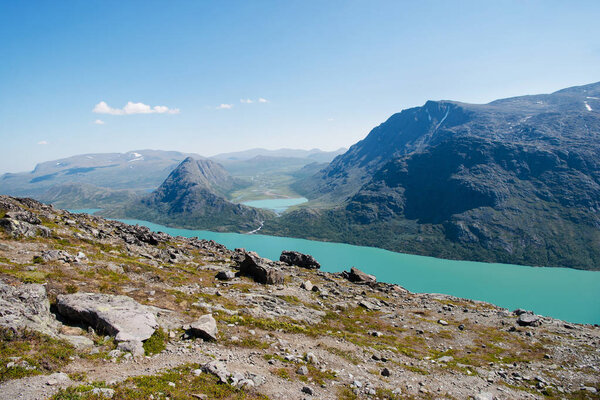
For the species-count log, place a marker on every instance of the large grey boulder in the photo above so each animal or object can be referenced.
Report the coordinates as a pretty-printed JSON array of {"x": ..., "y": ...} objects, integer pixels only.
[
  {"x": 119, "y": 316},
  {"x": 299, "y": 259},
  {"x": 26, "y": 306},
  {"x": 357, "y": 276},
  {"x": 205, "y": 327},
  {"x": 528, "y": 319},
  {"x": 260, "y": 269}
]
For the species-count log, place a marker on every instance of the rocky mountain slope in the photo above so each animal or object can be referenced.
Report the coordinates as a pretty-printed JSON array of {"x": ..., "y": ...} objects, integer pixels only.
[
  {"x": 92, "y": 309},
  {"x": 516, "y": 180},
  {"x": 193, "y": 196}
]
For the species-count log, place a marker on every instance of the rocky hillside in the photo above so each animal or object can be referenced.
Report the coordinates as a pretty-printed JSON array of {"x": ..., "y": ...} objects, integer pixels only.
[
  {"x": 192, "y": 196},
  {"x": 516, "y": 180},
  {"x": 92, "y": 309}
]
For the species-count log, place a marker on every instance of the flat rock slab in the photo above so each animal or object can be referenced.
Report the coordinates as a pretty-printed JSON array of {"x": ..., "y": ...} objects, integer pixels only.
[{"x": 119, "y": 316}]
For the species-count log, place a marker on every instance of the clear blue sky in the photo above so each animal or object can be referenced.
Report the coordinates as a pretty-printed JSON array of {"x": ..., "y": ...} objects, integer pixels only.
[{"x": 329, "y": 70}]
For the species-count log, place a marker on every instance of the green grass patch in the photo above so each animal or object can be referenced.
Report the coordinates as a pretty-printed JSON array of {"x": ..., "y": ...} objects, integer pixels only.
[
  {"x": 157, "y": 342},
  {"x": 176, "y": 384},
  {"x": 38, "y": 353}
]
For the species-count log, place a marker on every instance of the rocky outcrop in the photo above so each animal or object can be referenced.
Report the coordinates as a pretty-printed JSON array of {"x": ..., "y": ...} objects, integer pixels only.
[
  {"x": 26, "y": 307},
  {"x": 260, "y": 269},
  {"x": 299, "y": 259},
  {"x": 18, "y": 228},
  {"x": 357, "y": 276},
  {"x": 119, "y": 316}
]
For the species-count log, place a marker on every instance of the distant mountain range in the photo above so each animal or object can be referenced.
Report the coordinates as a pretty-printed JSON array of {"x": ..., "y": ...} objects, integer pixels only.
[
  {"x": 140, "y": 170},
  {"x": 315, "y": 155},
  {"x": 516, "y": 180}
]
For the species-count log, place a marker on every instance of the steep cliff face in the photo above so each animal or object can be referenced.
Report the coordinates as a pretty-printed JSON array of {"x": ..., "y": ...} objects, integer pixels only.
[
  {"x": 565, "y": 120},
  {"x": 516, "y": 180}
]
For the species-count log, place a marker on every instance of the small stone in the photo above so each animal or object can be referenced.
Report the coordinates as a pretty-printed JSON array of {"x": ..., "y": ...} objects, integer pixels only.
[
  {"x": 461, "y": 327},
  {"x": 307, "y": 390},
  {"x": 311, "y": 358},
  {"x": 442, "y": 322},
  {"x": 307, "y": 285},
  {"x": 303, "y": 370},
  {"x": 106, "y": 393}
]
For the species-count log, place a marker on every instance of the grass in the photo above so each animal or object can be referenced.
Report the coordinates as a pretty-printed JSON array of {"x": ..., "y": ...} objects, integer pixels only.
[
  {"x": 157, "y": 342},
  {"x": 177, "y": 384},
  {"x": 40, "y": 351}
]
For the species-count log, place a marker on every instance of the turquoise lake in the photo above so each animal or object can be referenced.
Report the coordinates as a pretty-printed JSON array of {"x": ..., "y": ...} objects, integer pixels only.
[
  {"x": 563, "y": 293},
  {"x": 277, "y": 205}
]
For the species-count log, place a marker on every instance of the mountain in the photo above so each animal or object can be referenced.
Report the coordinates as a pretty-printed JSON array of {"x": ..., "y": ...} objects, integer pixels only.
[
  {"x": 141, "y": 170},
  {"x": 83, "y": 195},
  {"x": 314, "y": 154},
  {"x": 192, "y": 196},
  {"x": 564, "y": 118},
  {"x": 516, "y": 180}
]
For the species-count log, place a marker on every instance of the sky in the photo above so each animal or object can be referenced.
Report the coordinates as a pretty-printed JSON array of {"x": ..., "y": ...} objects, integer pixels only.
[{"x": 219, "y": 76}]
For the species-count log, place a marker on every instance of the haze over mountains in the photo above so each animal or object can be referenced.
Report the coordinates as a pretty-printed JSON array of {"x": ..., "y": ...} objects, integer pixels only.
[{"x": 516, "y": 180}]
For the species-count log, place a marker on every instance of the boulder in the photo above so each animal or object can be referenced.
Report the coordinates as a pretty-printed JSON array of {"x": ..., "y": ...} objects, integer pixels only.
[
  {"x": 218, "y": 369},
  {"x": 205, "y": 327},
  {"x": 357, "y": 276},
  {"x": 119, "y": 316},
  {"x": 260, "y": 269},
  {"x": 26, "y": 307},
  {"x": 307, "y": 285},
  {"x": 225, "y": 275},
  {"x": 135, "y": 347},
  {"x": 58, "y": 255},
  {"x": 528, "y": 319},
  {"x": 299, "y": 259}
]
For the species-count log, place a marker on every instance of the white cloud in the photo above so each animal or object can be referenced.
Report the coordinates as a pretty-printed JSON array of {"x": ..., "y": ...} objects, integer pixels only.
[
  {"x": 246, "y": 101},
  {"x": 133, "y": 108},
  {"x": 225, "y": 107},
  {"x": 261, "y": 100},
  {"x": 99, "y": 122},
  {"x": 43, "y": 142}
]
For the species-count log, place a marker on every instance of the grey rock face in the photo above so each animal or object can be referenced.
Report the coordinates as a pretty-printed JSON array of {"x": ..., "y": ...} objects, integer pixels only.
[
  {"x": 205, "y": 327},
  {"x": 357, "y": 276},
  {"x": 18, "y": 228},
  {"x": 260, "y": 270},
  {"x": 299, "y": 259},
  {"x": 26, "y": 306},
  {"x": 119, "y": 316}
]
